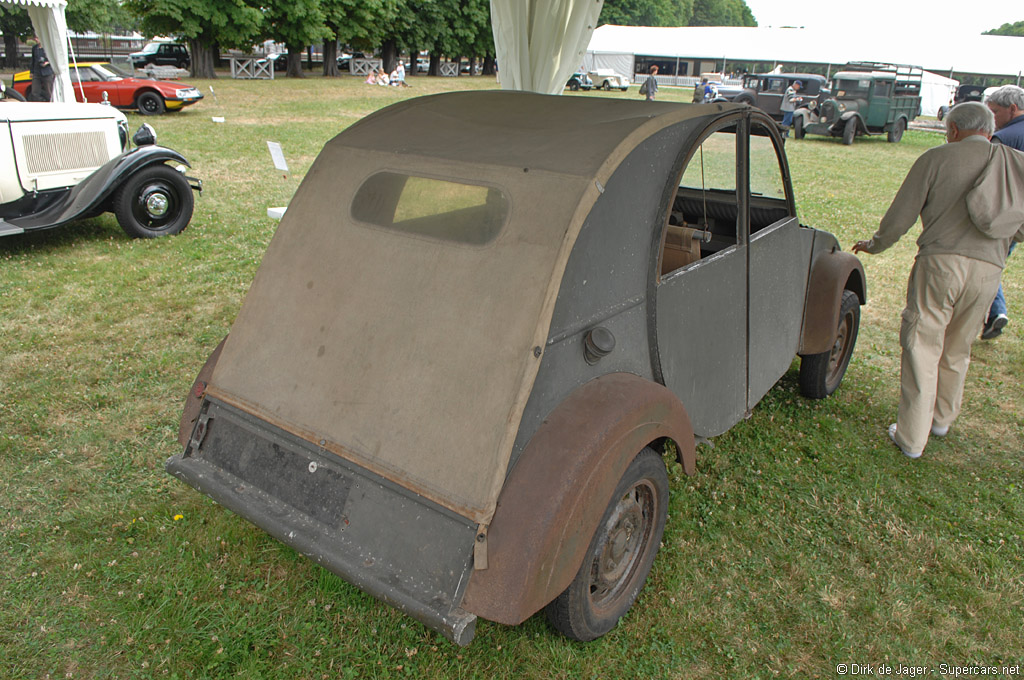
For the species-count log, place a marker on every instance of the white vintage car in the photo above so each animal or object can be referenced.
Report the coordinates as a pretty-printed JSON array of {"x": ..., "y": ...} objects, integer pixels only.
[
  {"x": 607, "y": 79},
  {"x": 64, "y": 162}
]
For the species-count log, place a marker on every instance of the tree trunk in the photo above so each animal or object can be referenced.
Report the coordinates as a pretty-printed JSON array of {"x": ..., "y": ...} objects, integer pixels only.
[
  {"x": 10, "y": 50},
  {"x": 202, "y": 59},
  {"x": 414, "y": 62},
  {"x": 309, "y": 57},
  {"x": 295, "y": 62},
  {"x": 435, "y": 64},
  {"x": 389, "y": 53},
  {"x": 489, "y": 65},
  {"x": 331, "y": 58},
  {"x": 472, "y": 66}
]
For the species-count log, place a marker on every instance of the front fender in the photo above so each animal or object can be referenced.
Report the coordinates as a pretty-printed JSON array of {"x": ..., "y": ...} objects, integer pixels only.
[
  {"x": 832, "y": 272},
  {"x": 95, "y": 189},
  {"x": 558, "y": 490}
]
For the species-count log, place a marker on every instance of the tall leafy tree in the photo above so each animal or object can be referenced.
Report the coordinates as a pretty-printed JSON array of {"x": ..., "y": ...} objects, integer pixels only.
[
  {"x": 646, "y": 12},
  {"x": 721, "y": 13},
  {"x": 99, "y": 16},
  {"x": 295, "y": 24},
  {"x": 359, "y": 23},
  {"x": 1016, "y": 28},
  {"x": 15, "y": 24},
  {"x": 207, "y": 25}
]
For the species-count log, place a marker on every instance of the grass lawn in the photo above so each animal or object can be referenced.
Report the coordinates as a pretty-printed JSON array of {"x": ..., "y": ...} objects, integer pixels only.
[{"x": 805, "y": 541}]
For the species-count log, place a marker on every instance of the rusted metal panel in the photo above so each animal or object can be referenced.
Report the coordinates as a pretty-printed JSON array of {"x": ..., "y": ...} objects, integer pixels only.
[
  {"x": 194, "y": 401},
  {"x": 557, "y": 492},
  {"x": 832, "y": 272}
]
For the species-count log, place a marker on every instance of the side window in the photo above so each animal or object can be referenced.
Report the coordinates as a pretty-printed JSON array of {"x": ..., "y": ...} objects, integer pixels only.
[
  {"x": 882, "y": 88},
  {"x": 776, "y": 85},
  {"x": 703, "y": 218},
  {"x": 767, "y": 184}
]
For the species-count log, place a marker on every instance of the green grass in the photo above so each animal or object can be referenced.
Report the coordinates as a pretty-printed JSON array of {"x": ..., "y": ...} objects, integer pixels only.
[{"x": 805, "y": 541}]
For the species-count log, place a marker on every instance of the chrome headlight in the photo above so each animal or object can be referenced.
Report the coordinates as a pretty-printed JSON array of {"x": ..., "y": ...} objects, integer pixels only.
[
  {"x": 122, "y": 134},
  {"x": 145, "y": 135}
]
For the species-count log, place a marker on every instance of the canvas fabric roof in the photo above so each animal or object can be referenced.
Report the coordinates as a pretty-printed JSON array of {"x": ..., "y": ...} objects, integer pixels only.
[{"x": 411, "y": 356}]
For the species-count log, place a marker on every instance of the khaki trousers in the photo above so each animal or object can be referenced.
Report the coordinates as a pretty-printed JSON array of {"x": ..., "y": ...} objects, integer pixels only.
[{"x": 948, "y": 297}]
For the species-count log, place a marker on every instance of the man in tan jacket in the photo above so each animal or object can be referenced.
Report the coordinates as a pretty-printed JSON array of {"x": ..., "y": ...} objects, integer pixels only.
[{"x": 957, "y": 269}]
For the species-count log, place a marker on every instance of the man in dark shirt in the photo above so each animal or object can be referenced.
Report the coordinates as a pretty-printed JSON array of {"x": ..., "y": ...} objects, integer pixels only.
[
  {"x": 1007, "y": 105},
  {"x": 42, "y": 74}
]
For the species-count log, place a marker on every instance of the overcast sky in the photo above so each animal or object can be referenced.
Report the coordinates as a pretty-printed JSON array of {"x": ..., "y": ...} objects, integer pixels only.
[{"x": 886, "y": 16}]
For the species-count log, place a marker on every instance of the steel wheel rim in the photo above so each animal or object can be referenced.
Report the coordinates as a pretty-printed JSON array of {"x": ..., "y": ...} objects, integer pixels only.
[
  {"x": 840, "y": 353},
  {"x": 156, "y": 206},
  {"x": 625, "y": 540}
]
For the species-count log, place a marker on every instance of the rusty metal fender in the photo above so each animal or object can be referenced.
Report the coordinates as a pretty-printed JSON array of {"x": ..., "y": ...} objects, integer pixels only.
[
  {"x": 832, "y": 272},
  {"x": 558, "y": 490},
  {"x": 194, "y": 401}
]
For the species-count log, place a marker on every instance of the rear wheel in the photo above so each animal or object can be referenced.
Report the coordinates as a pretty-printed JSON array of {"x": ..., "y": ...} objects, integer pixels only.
[
  {"x": 150, "y": 104},
  {"x": 896, "y": 133},
  {"x": 850, "y": 131},
  {"x": 606, "y": 86},
  {"x": 820, "y": 374},
  {"x": 620, "y": 554},
  {"x": 156, "y": 201}
]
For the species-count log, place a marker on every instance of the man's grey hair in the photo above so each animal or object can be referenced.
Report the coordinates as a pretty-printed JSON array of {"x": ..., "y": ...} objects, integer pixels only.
[
  {"x": 972, "y": 116},
  {"x": 1006, "y": 96}
]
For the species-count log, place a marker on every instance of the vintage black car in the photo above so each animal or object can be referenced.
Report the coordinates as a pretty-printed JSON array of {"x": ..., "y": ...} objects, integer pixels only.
[
  {"x": 484, "y": 318},
  {"x": 766, "y": 90}
]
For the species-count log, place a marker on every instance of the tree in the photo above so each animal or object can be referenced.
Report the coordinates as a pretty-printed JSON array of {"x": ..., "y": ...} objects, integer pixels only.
[
  {"x": 208, "y": 25},
  {"x": 15, "y": 24},
  {"x": 721, "y": 13},
  {"x": 1016, "y": 28},
  {"x": 295, "y": 24},
  {"x": 99, "y": 16},
  {"x": 646, "y": 12},
  {"x": 358, "y": 23}
]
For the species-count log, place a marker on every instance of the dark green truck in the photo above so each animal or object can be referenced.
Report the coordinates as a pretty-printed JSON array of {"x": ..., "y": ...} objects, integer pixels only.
[{"x": 868, "y": 98}]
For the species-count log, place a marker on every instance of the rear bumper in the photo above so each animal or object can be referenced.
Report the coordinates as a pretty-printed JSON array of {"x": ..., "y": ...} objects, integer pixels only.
[{"x": 383, "y": 539}]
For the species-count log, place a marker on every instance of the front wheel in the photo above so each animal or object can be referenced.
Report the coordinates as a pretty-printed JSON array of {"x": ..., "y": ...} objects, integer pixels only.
[
  {"x": 156, "y": 201},
  {"x": 150, "y": 104},
  {"x": 573, "y": 86},
  {"x": 606, "y": 86},
  {"x": 12, "y": 94},
  {"x": 820, "y": 374},
  {"x": 798, "y": 127},
  {"x": 896, "y": 133},
  {"x": 620, "y": 554},
  {"x": 850, "y": 131}
]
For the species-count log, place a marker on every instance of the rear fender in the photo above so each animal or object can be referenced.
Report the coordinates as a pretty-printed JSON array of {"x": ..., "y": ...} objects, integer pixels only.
[
  {"x": 554, "y": 497},
  {"x": 832, "y": 272}
]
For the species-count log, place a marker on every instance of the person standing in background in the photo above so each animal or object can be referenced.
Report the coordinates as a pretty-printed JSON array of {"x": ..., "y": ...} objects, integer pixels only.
[{"x": 42, "y": 74}]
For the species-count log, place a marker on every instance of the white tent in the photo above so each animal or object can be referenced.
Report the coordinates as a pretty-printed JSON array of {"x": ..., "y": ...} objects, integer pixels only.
[
  {"x": 52, "y": 28},
  {"x": 983, "y": 54},
  {"x": 539, "y": 43}
]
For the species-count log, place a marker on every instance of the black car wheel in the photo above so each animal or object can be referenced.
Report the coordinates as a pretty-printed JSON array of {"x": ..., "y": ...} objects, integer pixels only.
[
  {"x": 574, "y": 85},
  {"x": 156, "y": 201},
  {"x": 12, "y": 94},
  {"x": 850, "y": 131},
  {"x": 620, "y": 554},
  {"x": 896, "y": 133},
  {"x": 150, "y": 104},
  {"x": 606, "y": 86},
  {"x": 820, "y": 374},
  {"x": 798, "y": 127}
]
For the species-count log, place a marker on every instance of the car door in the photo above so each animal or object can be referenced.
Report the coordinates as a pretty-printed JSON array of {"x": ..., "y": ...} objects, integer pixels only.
[
  {"x": 780, "y": 257},
  {"x": 701, "y": 308},
  {"x": 770, "y": 98}
]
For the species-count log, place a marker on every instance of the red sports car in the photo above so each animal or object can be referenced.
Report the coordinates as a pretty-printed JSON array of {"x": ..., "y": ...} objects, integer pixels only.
[{"x": 149, "y": 96}]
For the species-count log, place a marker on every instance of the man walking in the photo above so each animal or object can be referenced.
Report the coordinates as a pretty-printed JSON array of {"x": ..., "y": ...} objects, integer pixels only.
[
  {"x": 789, "y": 102},
  {"x": 959, "y": 260},
  {"x": 1007, "y": 105}
]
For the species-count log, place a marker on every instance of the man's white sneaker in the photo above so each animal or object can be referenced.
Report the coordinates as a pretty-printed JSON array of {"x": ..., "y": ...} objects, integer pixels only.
[
  {"x": 892, "y": 436},
  {"x": 939, "y": 430}
]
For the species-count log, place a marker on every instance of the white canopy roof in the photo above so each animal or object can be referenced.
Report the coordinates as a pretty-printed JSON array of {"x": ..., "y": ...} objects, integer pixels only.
[
  {"x": 52, "y": 28},
  {"x": 984, "y": 54},
  {"x": 539, "y": 43}
]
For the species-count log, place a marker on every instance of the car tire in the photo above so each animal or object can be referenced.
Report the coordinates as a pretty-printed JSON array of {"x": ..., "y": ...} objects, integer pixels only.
[
  {"x": 798, "y": 127},
  {"x": 155, "y": 201},
  {"x": 150, "y": 104},
  {"x": 620, "y": 554},
  {"x": 606, "y": 86},
  {"x": 13, "y": 95},
  {"x": 820, "y": 374},
  {"x": 896, "y": 133},
  {"x": 574, "y": 86},
  {"x": 850, "y": 130},
  {"x": 744, "y": 100},
  {"x": 941, "y": 113}
]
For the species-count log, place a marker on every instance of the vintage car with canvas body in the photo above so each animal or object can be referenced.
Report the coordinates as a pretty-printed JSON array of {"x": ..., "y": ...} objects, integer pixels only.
[
  {"x": 60, "y": 162},
  {"x": 484, "y": 318}
]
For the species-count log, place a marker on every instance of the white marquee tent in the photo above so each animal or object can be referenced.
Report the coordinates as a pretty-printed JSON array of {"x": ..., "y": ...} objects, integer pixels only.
[{"x": 52, "y": 28}]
